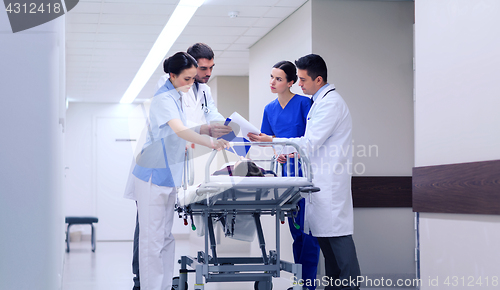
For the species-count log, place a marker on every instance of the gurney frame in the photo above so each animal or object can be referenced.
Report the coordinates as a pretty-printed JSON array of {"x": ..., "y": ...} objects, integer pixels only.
[{"x": 211, "y": 268}]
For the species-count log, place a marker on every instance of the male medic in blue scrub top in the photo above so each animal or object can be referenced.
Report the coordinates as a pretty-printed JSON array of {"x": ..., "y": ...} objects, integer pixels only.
[{"x": 286, "y": 117}]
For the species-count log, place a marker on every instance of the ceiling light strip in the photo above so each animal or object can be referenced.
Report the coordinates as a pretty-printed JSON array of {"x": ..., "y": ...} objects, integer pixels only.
[{"x": 174, "y": 27}]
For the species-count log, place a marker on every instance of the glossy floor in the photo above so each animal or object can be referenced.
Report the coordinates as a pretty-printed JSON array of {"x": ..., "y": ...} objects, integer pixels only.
[{"x": 109, "y": 268}]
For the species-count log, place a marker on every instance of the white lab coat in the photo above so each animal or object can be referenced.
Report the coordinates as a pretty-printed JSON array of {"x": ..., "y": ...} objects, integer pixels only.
[
  {"x": 328, "y": 144},
  {"x": 195, "y": 107}
]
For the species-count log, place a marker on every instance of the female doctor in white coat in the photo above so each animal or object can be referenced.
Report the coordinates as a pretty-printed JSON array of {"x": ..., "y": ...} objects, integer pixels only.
[
  {"x": 156, "y": 183},
  {"x": 327, "y": 143}
]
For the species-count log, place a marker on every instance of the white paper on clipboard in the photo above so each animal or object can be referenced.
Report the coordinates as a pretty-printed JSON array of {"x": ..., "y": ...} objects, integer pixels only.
[{"x": 245, "y": 126}]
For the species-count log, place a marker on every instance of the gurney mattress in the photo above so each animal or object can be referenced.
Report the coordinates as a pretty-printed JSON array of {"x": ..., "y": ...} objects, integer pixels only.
[{"x": 250, "y": 185}]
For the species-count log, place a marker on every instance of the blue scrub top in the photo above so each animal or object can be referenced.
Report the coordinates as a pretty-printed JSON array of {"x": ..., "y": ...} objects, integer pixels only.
[{"x": 288, "y": 122}]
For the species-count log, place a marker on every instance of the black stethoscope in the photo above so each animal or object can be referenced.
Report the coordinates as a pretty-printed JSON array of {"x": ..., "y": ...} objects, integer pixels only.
[
  {"x": 204, "y": 107},
  {"x": 321, "y": 98}
]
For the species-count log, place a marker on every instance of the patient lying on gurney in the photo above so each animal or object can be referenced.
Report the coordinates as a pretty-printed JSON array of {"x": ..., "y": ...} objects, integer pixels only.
[
  {"x": 243, "y": 168},
  {"x": 245, "y": 231}
]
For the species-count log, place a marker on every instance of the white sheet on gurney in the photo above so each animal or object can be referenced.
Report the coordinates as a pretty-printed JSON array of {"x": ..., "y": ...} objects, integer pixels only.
[{"x": 220, "y": 183}]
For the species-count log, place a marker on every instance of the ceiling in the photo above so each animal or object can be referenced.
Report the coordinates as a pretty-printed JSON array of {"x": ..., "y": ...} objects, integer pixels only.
[{"x": 107, "y": 40}]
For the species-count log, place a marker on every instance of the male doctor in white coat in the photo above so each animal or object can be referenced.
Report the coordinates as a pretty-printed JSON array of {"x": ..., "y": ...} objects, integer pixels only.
[
  {"x": 202, "y": 116},
  {"x": 327, "y": 143}
]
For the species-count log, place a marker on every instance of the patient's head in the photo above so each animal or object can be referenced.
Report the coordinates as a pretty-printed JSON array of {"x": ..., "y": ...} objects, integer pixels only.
[{"x": 246, "y": 168}]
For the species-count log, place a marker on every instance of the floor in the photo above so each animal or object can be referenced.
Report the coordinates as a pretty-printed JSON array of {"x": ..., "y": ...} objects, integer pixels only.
[{"x": 109, "y": 268}]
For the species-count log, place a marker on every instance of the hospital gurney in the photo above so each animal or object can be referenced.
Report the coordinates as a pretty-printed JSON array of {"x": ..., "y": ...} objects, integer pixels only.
[{"x": 222, "y": 198}]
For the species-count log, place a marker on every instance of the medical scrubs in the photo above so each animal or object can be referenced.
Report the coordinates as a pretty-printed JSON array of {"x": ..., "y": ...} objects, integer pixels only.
[
  {"x": 156, "y": 186},
  {"x": 286, "y": 122},
  {"x": 290, "y": 122}
]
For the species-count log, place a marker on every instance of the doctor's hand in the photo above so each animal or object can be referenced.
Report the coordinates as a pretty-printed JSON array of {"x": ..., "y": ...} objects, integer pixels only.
[
  {"x": 282, "y": 157},
  {"x": 218, "y": 130},
  {"x": 259, "y": 138}
]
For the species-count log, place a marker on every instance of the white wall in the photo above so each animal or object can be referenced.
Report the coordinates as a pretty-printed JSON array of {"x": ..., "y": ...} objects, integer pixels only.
[
  {"x": 457, "y": 120},
  {"x": 231, "y": 94},
  {"x": 32, "y": 106},
  {"x": 457, "y": 64},
  {"x": 79, "y": 187},
  {"x": 287, "y": 41},
  {"x": 368, "y": 47}
]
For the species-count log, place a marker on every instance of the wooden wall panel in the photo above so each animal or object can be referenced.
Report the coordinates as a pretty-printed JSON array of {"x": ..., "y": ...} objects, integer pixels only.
[
  {"x": 472, "y": 188},
  {"x": 381, "y": 191}
]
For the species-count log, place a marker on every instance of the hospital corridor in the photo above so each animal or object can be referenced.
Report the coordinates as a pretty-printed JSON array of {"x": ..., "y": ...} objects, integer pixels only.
[
  {"x": 110, "y": 267},
  {"x": 249, "y": 145}
]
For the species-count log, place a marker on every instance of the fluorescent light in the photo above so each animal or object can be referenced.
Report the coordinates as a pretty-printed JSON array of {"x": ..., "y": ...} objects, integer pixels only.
[{"x": 174, "y": 27}]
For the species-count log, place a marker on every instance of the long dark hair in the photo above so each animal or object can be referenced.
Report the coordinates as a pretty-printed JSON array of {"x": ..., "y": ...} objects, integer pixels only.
[{"x": 179, "y": 62}]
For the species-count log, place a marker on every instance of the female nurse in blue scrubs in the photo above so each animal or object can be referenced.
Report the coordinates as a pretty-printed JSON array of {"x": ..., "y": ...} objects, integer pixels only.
[
  {"x": 286, "y": 117},
  {"x": 158, "y": 173}
]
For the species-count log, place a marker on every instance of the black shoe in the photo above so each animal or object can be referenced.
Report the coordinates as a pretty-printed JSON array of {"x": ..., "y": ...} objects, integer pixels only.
[{"x": 136, "y": 288}]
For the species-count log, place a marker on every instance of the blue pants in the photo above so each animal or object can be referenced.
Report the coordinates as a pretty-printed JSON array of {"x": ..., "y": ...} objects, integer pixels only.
[
  {"x": 305, "y": 248},
  {"x": 285, "y": 167}
]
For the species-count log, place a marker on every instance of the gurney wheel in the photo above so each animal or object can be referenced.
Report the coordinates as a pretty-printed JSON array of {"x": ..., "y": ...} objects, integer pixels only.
[
  {"x": 175, "y": 284},
  {"x": 263, "y": 285}
]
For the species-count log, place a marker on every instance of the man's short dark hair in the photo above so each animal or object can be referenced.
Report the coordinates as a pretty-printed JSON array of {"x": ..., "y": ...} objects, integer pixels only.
[
  {"x": 200, "y": 50},
  {"x": 314, "y": 65}
]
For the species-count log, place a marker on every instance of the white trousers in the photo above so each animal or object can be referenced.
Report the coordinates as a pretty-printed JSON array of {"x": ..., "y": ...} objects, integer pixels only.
[{"x": 155, "y": 205}]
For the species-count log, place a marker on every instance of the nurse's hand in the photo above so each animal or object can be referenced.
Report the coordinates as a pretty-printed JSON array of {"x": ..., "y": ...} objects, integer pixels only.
[
  {"x": 219, "y": 144},
  {"x": 218, "y": 130},
  {"x": 259, "y": 138}
]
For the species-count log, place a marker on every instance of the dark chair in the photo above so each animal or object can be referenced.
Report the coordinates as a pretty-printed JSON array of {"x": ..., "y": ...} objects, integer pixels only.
[{"x": 80, "y": 220}]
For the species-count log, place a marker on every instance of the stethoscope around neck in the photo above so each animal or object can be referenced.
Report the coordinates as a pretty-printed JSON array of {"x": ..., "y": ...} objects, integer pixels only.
[{"x": 204, "y": 106}]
